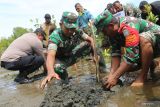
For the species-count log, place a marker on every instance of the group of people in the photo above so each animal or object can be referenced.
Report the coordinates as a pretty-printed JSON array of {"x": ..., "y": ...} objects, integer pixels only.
[{"x": 74, "y": 40}]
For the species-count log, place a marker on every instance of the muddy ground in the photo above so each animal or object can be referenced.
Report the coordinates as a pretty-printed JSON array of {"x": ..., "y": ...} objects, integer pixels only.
[
  {"x": 18, "y": 95},
  {"x": 82, "y": 91}
]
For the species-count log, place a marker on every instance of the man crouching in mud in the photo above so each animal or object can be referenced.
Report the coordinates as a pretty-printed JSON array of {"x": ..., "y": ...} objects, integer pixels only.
[
  {"x": 131, "y": 33},
  {"x": 66, "y": 47}
]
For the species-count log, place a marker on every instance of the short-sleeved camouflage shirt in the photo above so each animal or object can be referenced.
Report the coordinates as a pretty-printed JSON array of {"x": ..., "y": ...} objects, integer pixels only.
[
  {"x": 128, "y": 36},
  {"x": 64, "y": 45}
]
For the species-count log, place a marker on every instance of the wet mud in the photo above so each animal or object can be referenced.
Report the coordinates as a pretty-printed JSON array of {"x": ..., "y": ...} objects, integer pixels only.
[
  {"x": 13, "y": 94},
  {"x": 83, "y": 91}
]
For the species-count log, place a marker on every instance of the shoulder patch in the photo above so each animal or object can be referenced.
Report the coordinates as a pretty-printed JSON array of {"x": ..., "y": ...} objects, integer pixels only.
[{"x": 126, "y": 32}]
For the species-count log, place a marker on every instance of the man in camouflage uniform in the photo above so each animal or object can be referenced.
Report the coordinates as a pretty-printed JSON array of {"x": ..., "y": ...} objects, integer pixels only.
[
  {"x": 131, "y": 33},
  {"x": 66, "y": 47}
]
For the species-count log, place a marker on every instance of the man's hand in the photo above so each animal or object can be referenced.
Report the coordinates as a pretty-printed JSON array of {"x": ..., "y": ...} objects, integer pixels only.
[
  {"x": 49, "y": 78},
  {"x": 109, "y": 82}
]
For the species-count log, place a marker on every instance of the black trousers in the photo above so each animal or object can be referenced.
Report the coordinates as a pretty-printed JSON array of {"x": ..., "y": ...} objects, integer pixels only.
[{"x": 25, "y": 65}]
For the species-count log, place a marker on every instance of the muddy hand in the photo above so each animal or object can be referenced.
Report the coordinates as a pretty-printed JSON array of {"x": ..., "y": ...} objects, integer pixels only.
[
  {"x": 110, "y": 82},
  {"x": 48, "y": 79},
  {"x": 104, "y": 82}
]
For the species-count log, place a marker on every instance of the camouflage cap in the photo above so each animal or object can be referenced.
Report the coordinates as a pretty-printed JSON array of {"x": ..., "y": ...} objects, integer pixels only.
[
  {"x": 69, "y": 19},
  {"x": 103, "y": 19}
]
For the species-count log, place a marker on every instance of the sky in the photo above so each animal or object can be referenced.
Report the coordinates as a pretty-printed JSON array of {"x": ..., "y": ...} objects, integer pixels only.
[{"x": 17, "y": 13}]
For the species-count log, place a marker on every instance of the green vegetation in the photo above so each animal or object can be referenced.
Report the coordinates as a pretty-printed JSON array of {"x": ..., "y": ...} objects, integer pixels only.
[
  {"x": 53, "y": 20},
  {"x": 36, "y": 23},
  {"x": 17, "y": 32},
  {"x": 151, "y": 17}
]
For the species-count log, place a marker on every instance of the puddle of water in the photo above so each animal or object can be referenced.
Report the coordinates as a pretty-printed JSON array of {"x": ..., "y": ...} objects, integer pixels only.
[
  {"x": 16, "y": 95},
  {"x": 30, "y": 95},
  {"x": 147, "y": 96}
]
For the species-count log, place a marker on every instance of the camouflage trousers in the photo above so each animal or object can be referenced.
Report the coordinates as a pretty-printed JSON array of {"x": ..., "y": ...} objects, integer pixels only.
[{"x": 79, "y": 52}]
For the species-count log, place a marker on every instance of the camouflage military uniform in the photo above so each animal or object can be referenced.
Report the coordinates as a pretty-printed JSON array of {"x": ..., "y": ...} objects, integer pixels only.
[
  {"x": 143, "y": 28},
  {"x": 69, "y": 49},
  {"x": 128, "y": 36}
]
